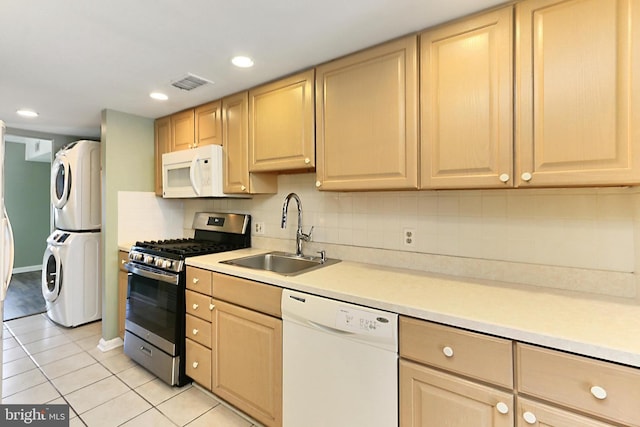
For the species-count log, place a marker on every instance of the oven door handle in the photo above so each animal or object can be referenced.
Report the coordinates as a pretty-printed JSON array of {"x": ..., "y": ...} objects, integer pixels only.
[{"x": 163, "y": 277}]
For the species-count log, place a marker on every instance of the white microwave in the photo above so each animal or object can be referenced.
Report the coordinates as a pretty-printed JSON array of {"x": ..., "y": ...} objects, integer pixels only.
[{"x": 193, "y": 173}]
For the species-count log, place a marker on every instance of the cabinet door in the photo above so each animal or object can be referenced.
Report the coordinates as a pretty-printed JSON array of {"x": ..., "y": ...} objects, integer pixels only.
[
  {"x": 182, "y": 130},
  {"x": 235, "y": 124},
  {"x": 367, "y": 119},
  {"x": 281, "y": 125},
  {"x": 430, "y": 398},
  {"x": 247, "y": 361},
  {"x": 235, "y": 128},
  {"x": 162, "y": 144},
  {"x": 208, "y": 126},
  {"x": 577, "y": 69},
  {"x": 123, "y": 283},
  {"x": 466, "y": 88},
  {"x": 530, "y": 413}
]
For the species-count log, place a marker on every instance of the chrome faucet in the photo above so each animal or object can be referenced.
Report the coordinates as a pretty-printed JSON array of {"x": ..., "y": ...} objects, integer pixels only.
[{"x": 300, "y": 236}]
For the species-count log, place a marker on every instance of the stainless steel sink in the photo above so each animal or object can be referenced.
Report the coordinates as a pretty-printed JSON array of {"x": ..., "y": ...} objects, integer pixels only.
[{"x": 282, "y": 263}]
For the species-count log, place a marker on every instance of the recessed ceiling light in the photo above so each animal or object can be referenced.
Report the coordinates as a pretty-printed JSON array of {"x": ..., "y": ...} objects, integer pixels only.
[
  {"x": 159, "y": 96},
  {"x": 27, "y": 113},
  {"x": 242, "y": 61}
]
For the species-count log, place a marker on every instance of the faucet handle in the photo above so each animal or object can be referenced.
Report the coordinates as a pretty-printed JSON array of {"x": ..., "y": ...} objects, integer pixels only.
[
  {"x": 305, "y": 237},
  {"x": 323, "y": 256}
]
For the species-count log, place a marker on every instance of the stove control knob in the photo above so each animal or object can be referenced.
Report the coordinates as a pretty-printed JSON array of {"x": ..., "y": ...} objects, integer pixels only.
[
  {"x": 136, "y": 256},
  {"x": 148, "y": 259},
  {"x": 159, "y": 262},
  {"x": 167, "y": 263}
]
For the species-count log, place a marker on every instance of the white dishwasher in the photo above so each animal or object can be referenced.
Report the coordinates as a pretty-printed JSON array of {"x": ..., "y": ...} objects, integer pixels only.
[{"x": 340, "y": 363}]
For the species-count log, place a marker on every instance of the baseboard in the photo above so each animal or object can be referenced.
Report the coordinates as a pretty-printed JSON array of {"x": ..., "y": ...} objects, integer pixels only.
[
  {"x": 110, "y": 345},
  {"x": 27, "y": 269}
]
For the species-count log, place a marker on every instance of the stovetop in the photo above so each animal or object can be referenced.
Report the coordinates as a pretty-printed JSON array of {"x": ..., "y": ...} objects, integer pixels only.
[
  {"x": 188, "y": 247},
  {"x": 214, "y": 232}
]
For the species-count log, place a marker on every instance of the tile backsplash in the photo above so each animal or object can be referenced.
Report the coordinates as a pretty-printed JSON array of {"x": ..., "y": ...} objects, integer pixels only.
[
  {"x": 143, "y": 216},
  {"x": 585, "y": 234}
]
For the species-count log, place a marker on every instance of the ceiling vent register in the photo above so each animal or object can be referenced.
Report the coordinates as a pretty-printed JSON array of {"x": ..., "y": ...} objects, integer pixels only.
[{"x": 190, "y": 82}]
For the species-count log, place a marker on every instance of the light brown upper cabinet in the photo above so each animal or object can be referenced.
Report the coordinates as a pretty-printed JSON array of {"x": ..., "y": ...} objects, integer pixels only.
[
  {"x": 182, "y": 130},
  {"x": 235, "y": 128},
  {"x": 466, "y": 88},
  {"x": 162, "y": 143},
  {"x": 208, "y": 124},
  {"x": 281, "y": 125},
  {"x": 577, "y": 92},
  {"x": 197, "y": 126},
  {"x": 367, "y": 119}
]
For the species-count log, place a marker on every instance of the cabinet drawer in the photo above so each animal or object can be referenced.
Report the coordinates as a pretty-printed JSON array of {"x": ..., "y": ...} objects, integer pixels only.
[
  {"x": 198, "y": 363},
  {"x": 198, "y": 330},
  {"x": 199, "y": 305},
  {"x": 475, "y": 355},
  {"x": 199, "y": 280},
  {"x": 580, "y": 383},
  {"x": 247, "y": 293}
]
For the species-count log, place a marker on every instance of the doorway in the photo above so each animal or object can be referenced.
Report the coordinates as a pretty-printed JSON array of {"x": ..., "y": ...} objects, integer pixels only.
[{"x": 27, "y": 181}]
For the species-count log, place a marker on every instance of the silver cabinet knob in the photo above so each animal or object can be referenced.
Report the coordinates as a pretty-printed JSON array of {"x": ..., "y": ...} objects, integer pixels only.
[
  {"x": 307, "y": 161},
  {"x": 318, "y": 184},
  {"x": 504, "y": 177},
  {"x": 195, "y": 332},
  {"x": 195, "y": 365},
  {"x": 195, "y": 306},
  {"x": 526, "y": 176}
]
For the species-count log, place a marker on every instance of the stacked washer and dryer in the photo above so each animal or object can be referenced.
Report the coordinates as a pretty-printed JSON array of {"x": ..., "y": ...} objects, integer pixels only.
[{"x": 71, "y": 270}]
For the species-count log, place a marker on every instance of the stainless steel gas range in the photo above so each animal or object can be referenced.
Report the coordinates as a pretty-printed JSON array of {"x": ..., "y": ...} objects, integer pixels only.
[{"x": 155, "y": 314}]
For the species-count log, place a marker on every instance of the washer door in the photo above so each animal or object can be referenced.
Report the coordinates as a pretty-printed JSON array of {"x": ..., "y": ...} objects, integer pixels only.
[
  {"x": 51, "y": 274},
  {"x": 60, "y": 181}
]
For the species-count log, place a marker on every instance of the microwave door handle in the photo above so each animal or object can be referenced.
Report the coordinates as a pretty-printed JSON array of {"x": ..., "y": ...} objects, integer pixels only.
[{"x": 194, "y": 175}]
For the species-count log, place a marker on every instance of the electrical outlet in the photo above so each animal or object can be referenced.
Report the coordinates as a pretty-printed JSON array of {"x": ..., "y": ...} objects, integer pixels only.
[
  {"x": 409, "y": 237},
  {"x": 258, "y": 228}
]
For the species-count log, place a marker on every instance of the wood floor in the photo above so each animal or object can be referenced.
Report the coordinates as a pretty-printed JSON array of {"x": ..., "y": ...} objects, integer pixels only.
[{"x": 24, "y": 296}]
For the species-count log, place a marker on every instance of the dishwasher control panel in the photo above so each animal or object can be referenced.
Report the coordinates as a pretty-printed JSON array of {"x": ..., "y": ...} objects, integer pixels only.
[{"x": 363, "y": 322}]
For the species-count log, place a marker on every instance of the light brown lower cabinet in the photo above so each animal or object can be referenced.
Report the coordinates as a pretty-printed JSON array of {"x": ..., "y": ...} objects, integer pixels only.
[
  {"x": 247, "y": 361},
  {"x": 457, "y": 378},
  {"x": 233, "y": 348},
  {"x": 430, "y": 398}
]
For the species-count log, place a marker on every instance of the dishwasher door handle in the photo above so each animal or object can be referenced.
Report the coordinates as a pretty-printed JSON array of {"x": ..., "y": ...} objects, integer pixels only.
[{"x": 328, "y": 329}]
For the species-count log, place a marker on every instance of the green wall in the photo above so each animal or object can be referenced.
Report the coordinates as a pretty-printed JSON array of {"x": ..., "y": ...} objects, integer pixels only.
[
  {"x": 127, "y": 165},
  {"x": 28, "y": 204}
]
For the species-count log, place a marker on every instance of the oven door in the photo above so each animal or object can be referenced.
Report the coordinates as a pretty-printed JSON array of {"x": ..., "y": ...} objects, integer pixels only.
[{"x": 155, "y": 302}]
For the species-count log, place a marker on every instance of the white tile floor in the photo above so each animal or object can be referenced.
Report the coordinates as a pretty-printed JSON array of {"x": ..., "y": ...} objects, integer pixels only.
[{"x": 46, "y": 363}]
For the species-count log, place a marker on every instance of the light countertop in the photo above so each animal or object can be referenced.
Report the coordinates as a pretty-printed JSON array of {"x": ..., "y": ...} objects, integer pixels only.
[{"x": 601, "y": 329}]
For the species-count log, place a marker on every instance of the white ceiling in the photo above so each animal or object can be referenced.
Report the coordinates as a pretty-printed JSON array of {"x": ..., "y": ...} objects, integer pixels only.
[{"x": 70, "y": 59}]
